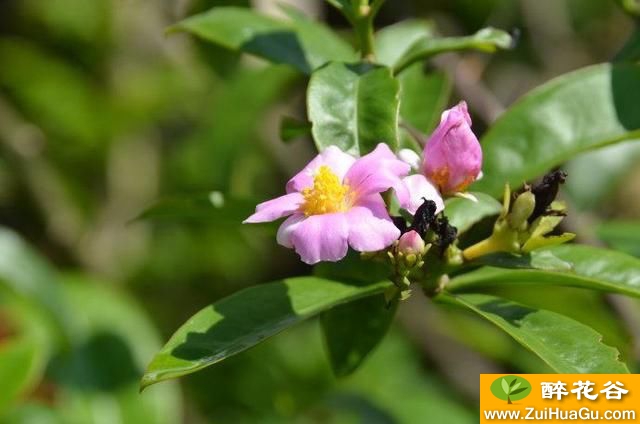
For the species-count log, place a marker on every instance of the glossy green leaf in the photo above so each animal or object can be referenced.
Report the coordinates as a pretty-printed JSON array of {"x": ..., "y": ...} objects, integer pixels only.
[
  {"x": 246, "y": 318},
  {"x": 463, "y": 213},
  {"x": 576, "y": 112},
  {"x": 621, "y": 235},
  {"x": 423, "y": 97},
  {"x": 393, "y": 41},
  {"x": 486, "y": 40},
  {"x": 301, "y": 42},
  {"x": 349, "y": 341},
  {"x": 351, "y": 331},
  {"x": 584, "y": 266},
  {"x": 565, "y": 345},
  {"x": 354, "y": 107},
  {"x": 589, "y": 307}
]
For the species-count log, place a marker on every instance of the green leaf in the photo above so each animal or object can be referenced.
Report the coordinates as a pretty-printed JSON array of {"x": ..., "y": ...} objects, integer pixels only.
[
  {"x": 464, "y": 213},
  {"x": 393, "y": 41},
  {"x": 632, "y": 7},
  {"x": 621, "y": 235},
  {"x": 486, "y": 40},
  {"x": 24, "y": 352},
  {"x": 82, "y": 116},
  {"x": 104, "y": 367},
  {"x": 245, "y": 319},
  {"x": 344, "y": 6},
  {"x": 291, "y": 129},
  {"x": 565, "y": 345},
  {"x": 505, "y": 386},
  {"x": 394, "y": 378},
  {"x": 231, "y": 133},
  {"x": 595, "y": 175},
  {"x": 582, "y": 110},
  {"x": 301, "y": 42},
  {"x": 351, "y": 331},
  {"x": 584, "y": 266},
  {"x": 25, "y": 273},
  {"x": 354, "y": 107},
  {"x": 423, "y": 97}
]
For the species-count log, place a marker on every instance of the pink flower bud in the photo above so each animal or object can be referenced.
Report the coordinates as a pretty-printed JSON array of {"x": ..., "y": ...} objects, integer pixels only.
[
  {"x": 411, "y": 243},
  {"x": 452, "y": 156}
]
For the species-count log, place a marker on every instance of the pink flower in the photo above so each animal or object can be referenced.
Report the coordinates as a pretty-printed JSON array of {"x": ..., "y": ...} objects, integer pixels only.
[
  {"x": 335, "y": 202},
  {"x": 452, "y": 155}
]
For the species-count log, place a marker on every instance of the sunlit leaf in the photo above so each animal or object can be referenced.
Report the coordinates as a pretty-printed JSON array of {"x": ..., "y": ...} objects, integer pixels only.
[
  {"x": 566, "y": 345},
  {"x": 576, "y": 112},
  {"x": 486, "y": 40},
  {"x": 302, "y": 43},
  {"x": 393, "y": 41},
  {"x": 246, "y": 318},
  {"x": 354, "y": 107},
  {"x": 566, "y": 265}
]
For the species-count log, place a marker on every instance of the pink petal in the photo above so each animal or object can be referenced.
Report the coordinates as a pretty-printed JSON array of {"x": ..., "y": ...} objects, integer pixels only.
[
  {"x": 418, "y": 187},
  {"x": 376, "y": 172},
  {"x": 289, "y": 225},
  {"x": 276, "y": 208},
  {"x": 321, "y": 238},
  {"x": 370, "y": 232},
  {"x": 333, "y": 157}
]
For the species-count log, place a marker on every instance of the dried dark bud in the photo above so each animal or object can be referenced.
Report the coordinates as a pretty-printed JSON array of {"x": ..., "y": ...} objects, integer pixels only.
[
  {"x": 446, "y": 232},
  {"x": 546, "y": 192},
  {"x": 423, "y": 218}
]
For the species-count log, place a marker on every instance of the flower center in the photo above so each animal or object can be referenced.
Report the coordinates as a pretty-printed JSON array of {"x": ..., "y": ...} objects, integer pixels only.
[{"x": 328, "y": 194}]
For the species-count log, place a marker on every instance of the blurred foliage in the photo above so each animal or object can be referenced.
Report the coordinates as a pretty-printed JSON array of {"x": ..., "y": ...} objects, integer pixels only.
[{"x": 101, "y": 115}]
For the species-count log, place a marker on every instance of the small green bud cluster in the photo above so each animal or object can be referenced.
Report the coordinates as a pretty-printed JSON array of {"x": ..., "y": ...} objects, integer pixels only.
[{"x": 526, "y": 220}]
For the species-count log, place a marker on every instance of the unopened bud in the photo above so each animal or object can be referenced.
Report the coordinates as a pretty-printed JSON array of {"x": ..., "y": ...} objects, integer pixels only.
[
  {"x": 453, "y": 156},
  {"x": 411, "y": 244},
  {"x": 521, "y": 210}
]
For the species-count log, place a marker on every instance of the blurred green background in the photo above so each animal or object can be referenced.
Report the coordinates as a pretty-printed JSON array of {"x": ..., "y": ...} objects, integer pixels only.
[{"x": 102, "y": 115}]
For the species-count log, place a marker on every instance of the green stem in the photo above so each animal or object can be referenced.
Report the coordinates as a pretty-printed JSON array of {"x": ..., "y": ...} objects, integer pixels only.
[
  {"x": 364, "y": 32},
  {"x": 363, "y": 26}
]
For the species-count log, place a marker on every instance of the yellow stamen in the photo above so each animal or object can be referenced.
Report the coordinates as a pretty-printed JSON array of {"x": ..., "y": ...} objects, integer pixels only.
[{"x": 328, "y": 194}]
